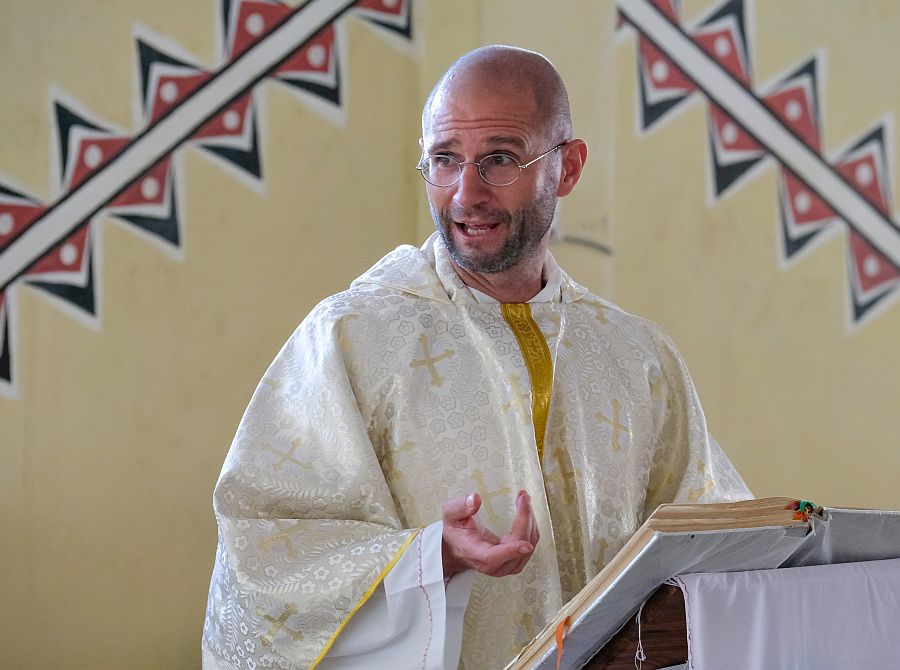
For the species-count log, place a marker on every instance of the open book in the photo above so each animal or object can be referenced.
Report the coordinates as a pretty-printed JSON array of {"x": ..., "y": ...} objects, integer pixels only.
[{"x": 721, "y": 537}]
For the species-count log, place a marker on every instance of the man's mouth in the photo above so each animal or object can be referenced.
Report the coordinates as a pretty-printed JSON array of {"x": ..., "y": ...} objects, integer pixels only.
[{"x": 476, "y": 230}]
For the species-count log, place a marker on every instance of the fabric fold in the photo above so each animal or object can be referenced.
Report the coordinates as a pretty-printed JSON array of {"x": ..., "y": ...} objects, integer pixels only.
[{"x": 827, "y": 617}]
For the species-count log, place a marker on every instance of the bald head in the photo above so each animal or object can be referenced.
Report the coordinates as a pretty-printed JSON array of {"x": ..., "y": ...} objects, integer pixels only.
[{"x": 507, "y": 68}]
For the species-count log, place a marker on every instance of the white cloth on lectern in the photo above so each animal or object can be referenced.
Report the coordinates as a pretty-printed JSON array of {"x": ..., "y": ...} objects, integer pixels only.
[
  {"x": 410, "y": 620},
  {"x": 826, "y": 617}
]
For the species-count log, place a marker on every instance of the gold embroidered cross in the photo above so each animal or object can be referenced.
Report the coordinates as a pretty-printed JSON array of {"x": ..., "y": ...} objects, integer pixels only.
[
  {"x": 566, "y": 478},
  {"x": 519, "y": 399},
  {"x": 654, "y": 490},
  {"x": 279, "y": 625},
  {"x": 283, "y": 535},
  {"x": 526, "y": 623},
  {"x": 708, "y": 485},
  {"x": 570, "y": 538},
  {"x": 345, "y": 342},
  {"x": 286, "y": 456},
  {"x": 430, "y": 360},
  {"x": 273, "y": 383},
  {"x": 615, "y": 423},
  {"x": 486, "y": 496},
  {"x": 387, "y": 459},
  {"x": 602, "y": 548},
  {"x": 695, "y": 494}
]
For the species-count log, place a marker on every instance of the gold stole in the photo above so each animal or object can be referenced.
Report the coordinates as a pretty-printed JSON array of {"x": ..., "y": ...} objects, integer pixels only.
[{"x": 538, "y": 361}]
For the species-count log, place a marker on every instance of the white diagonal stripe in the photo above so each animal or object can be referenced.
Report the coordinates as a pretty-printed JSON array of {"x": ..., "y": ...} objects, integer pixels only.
[
  {"x": 753, "y": 115},
  {"x": 160, "y": 139}
]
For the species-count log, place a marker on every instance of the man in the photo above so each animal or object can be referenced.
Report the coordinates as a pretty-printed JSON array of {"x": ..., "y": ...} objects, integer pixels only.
[{"x": 468, "y": 388}]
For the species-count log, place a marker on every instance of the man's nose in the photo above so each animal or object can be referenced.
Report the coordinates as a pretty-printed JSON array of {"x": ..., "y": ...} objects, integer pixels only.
[{"x": 471, "y": 189}]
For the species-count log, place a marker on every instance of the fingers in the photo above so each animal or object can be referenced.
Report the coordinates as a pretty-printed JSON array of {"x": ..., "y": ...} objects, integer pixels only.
[
  {"x": 524, "y": 527},
  {"x": 468, "y": 544},
  {"x": 516, "y": 566},
  {"x": 489, "y": 536},
  {"x": 499, "y": 560},
  {"x": 523, "y": 523},
  {"x": 523, "y": 536},
  {"x": 463, "y": 549},
  {"x": 461, "y": 507}
]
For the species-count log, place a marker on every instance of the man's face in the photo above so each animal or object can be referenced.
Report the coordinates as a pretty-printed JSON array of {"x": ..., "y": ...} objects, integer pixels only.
[{"x": 489, "y": 229}]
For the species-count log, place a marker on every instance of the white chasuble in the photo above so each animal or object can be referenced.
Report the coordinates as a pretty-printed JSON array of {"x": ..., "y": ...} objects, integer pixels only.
[{"x": 404, "y": 391}]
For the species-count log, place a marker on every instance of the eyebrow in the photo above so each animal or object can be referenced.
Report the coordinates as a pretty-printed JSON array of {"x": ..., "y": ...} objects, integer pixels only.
[
  {"x": 507, "y": 140},
  {"x": 495, "y": 141}
]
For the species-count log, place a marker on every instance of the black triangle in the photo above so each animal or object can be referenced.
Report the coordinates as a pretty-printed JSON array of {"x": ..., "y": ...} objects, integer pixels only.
[
  {"x": 66, "y": 119},
  {"x": 81, "y": 297},
  {"x": 726, "y": 175},
  {"x": 811, "y": 69},
  {"x": 147, "y": 56},
  {"x": 246, "y": 160},
  {"x": 227, "y": 8},
  {"x": 12, "y": 193},
  {"x": 792, "y": 245},
  {"x": 405, "y": 31},
  {"x": 330, "y": 93},
  {"x": 165, "y": 227},
  {"x": 876, "y": 135},
  {"x": 652, "y": 113},
  {"x": 5, "y": 358},
  {"x": 860, "y": 308},
  {"x": 734, "y": 8}
]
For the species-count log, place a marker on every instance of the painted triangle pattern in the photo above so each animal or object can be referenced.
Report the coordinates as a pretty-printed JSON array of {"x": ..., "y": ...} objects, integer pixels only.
[
  {"x": 847, "y": 191},
  {"x": 54, "y": 247}
]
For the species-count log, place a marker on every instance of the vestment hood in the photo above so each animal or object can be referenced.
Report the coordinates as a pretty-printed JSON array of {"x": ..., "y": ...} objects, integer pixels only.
[{"x": 428, "y": 273}]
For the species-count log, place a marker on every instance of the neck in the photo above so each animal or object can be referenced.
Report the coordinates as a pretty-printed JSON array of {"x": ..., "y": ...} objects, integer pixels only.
[{"x": 517, "y": 284}]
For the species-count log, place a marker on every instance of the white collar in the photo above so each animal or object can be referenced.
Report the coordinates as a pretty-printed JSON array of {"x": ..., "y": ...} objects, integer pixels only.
[{"x": 551, "y": 275}]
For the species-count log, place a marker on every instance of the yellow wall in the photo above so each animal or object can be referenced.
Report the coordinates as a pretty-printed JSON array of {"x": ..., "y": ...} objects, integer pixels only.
[
  {"x": 112, "y": 447},
  {"x": 805, "y": 405},
  {"x": 110, "y": 450}
]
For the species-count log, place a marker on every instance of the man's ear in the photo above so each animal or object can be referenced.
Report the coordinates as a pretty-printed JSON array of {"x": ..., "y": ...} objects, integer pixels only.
[
  {"x": 574, "y": 156},
  {"x": 422, "y": 143}
]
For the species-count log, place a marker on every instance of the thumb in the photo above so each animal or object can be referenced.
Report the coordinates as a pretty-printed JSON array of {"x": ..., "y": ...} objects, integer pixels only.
[{"x": 461, "y": 507}]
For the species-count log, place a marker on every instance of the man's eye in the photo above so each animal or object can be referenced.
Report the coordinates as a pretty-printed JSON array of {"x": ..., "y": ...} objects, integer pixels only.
[
  {"x": 441, "y": 161},
  {"x": 498, "y": 160}
]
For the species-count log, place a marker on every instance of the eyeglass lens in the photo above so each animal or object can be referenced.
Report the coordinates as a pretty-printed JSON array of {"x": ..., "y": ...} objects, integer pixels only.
[{"x": 496, "y": 169}]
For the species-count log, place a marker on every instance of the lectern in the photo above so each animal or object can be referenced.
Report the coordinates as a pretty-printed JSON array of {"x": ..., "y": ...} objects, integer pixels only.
[{"x": 596, "y": 629}]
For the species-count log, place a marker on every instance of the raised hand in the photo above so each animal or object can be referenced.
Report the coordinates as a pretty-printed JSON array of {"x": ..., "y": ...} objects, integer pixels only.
[{"x": 469, "y": 545}]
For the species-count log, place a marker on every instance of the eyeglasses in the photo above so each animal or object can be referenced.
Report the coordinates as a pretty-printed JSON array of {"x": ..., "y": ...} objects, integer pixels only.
[{"x": 494, "y": 169}]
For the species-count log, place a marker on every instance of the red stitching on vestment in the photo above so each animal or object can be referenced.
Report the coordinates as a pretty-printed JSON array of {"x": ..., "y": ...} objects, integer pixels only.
[{"x": 428, "y": 606}]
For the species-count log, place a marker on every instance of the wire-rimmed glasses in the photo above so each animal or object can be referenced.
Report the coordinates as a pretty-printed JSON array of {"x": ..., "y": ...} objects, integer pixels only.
[{"x": 496, "y": 169}]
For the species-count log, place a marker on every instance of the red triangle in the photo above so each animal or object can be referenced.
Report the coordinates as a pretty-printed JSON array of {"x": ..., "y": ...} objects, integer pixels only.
[{"x": 65, "y": 256}]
